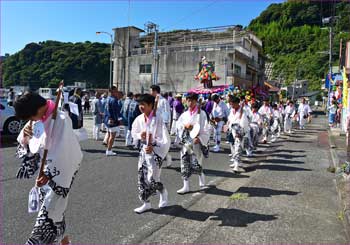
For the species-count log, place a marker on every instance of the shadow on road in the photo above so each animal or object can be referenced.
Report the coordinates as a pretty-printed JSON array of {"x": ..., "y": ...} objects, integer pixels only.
[
  {"x": 287, "y": 156},
  {"x": 264, "y": 192},
  {"x": 299, "y": 141},
  {"x": 228, "y": 217},
  {"x": 239, "y": 218},
  {"x": 8, "y": 141},
  {"x": 119, "y": 153},
  {"x": 279, "y": 150},
  {"x": 275, "y": 168},
  {"x": 179, "y": 211},
  {"x": 213, "y": 190},
  {"x": 282, "y": 161},
  {"x": 217, "y": 173}
]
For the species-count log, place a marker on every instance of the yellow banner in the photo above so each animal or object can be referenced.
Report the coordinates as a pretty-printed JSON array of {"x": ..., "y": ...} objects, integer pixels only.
[{"x": 345, "y": 89}]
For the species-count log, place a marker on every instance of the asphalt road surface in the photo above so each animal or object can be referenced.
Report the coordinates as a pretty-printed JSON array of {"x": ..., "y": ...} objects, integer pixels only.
[{"x": 104, "y": 194}]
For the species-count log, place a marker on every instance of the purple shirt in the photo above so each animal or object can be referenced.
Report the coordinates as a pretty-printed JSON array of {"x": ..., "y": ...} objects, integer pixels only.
[
  {"x": 178, "y": 108},
  {"x": 209, "y": 106}
]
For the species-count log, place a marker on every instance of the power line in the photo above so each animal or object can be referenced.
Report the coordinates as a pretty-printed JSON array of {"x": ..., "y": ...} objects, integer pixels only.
[{"x": 190, "y": 15}]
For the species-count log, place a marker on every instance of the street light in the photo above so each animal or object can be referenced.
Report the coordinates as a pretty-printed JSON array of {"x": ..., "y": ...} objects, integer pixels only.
[{"x": 110, "y": 58}]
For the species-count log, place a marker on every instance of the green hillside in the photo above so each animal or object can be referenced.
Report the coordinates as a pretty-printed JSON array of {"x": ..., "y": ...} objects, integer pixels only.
[
  {"x": 46, "y": 63},
  {"x": 293, "y": 38}
]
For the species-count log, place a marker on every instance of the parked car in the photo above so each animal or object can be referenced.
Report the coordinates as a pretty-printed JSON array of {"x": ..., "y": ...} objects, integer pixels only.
[{"x": 9, "y": 124}]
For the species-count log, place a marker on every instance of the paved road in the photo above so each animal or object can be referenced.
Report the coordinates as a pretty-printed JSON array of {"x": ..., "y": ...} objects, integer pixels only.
[{"x": 105, "y": 192}]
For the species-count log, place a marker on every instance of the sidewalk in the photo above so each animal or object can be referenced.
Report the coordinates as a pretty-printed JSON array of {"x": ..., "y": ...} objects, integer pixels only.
[{"x": 337, "y": 141}]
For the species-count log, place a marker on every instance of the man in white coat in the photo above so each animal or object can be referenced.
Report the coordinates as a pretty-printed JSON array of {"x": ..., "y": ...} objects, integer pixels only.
[
  {"x": 61, "y": 166},
  {"x": 163, "y": 109},
  {"x": 304, "y": 112},
  {"x": 194, "y": 130},
  {"x": 288, "y": 118},
  {"x": 266, "y": 112},
  {"x": 150, "y": 130},
  {"x": 218, "y": 116}
]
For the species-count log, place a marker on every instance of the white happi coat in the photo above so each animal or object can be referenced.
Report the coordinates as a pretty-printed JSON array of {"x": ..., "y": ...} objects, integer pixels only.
[
  {"x": 64, "y": 152},
  {"x": 248, "y": 112},
  {"x": 220, "y": 110},
  {"x": 256, "y": 118},
  {"x": 290, "y": 111},
  {"x": 157, "y": 128},
  {"x": 265, "y": 111},
  {"x": 276, "y": 116},
  {"x": 163, "y": 109},
  {"x": 187, "y": 118},
  {"x": 303, "y": 109},
  {"x": 236, "y": 118},
  {"x": 289, "y": 114}
]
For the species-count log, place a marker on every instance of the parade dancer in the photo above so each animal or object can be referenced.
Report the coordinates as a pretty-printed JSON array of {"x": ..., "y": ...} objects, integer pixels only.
[
  {"x": 304, "y": 112},
  {"x": 266, "y": 112},
  {"x": 178, "y": 109},
  {"x": 218, "y": 115},
  {"x": 256, "y": 124},
  {"x": 288, "y": 118},
  {"x": 163, "y": 109},
  {"x": 194, "y": 130},
  {"x": 61, "y": 159},
  {"x": 155, "y": 143},
  {"x": 276, "y": 121},
  {"x": 281, "y": 119},
  {"x": 247, "y": 140},
  {"x": 238, "y": 125}
]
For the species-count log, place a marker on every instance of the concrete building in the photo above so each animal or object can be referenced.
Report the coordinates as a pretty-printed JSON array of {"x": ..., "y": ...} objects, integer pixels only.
[
  {"x": 297, "y": 89},
  {"x": 236, "y": 55}
]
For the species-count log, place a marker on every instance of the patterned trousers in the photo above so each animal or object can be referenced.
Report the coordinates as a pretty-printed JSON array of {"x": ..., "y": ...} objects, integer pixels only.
[
  {"x": 191, "y": 161},
  {"x": 149, "y": 169}
]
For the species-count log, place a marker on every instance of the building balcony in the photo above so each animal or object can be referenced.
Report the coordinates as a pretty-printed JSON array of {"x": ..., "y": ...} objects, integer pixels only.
[{"x": 243, "y": 80}]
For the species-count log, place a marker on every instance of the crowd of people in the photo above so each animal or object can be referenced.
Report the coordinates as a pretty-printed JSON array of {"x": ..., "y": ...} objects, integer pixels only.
[
  {"x": 193, "y": 121},
  {"x": 149, "y": 121}
]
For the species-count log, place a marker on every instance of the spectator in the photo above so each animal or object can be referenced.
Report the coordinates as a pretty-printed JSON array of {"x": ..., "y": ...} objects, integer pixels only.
[
  {"x": 86, "y": 103},
  {"x": 111, "y": 119},
  {"x": 97, "y": 112},
  {"x": 77, "y": 120},
  {"x": 134, "y": 111},
  {"x": 10, "y": 97}
]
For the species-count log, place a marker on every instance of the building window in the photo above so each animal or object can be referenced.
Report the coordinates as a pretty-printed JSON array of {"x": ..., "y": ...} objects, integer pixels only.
[
  {"x": 238, "y": 69},
  {"x": 147, "y": 68}
]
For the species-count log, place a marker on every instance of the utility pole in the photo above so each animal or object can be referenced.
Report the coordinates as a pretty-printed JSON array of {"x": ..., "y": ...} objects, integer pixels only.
[
  {"x": 294, "y": 84},
  {"x": 329, "y": 20},
  {"x": 152, "y": 27},
  {"x": 155, "y": 56},
  {"x": 340, "y": 53},
  {"x": 330, "y": 56},
  {"x": 225, "y": 74}
]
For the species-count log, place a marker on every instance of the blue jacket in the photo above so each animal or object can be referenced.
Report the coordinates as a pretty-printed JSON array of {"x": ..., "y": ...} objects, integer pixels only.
[{"x": 112, "y": 111}]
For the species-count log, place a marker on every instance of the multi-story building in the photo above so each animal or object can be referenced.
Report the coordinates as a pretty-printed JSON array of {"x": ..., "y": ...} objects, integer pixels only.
[
  {"x": 296, "y": 89},
  {"x": 236, "y": 55}
]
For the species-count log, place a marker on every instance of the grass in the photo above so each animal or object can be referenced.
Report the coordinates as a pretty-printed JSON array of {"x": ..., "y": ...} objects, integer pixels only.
[{"x": 239, "y": 196}]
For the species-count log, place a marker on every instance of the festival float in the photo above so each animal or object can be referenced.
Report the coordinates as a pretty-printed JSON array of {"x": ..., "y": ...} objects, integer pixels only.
[{"x": 206, "y": 76}]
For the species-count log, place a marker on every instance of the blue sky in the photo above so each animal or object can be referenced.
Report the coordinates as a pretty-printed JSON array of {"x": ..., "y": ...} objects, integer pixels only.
[{"x": 23, "y": 22}]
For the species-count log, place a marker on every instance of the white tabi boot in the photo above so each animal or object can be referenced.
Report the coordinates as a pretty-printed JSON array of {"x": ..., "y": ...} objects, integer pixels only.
[
  {"x": 235, "y": 166},
  {"x": 146, "y": 206},
  {"x": 169, "y": 160},
  {"x": 249, "y": 152},
  {"x": 202, "y": 181},
  {"x": 163, "y": 198},
  {"x": 185, "y": 188}
]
